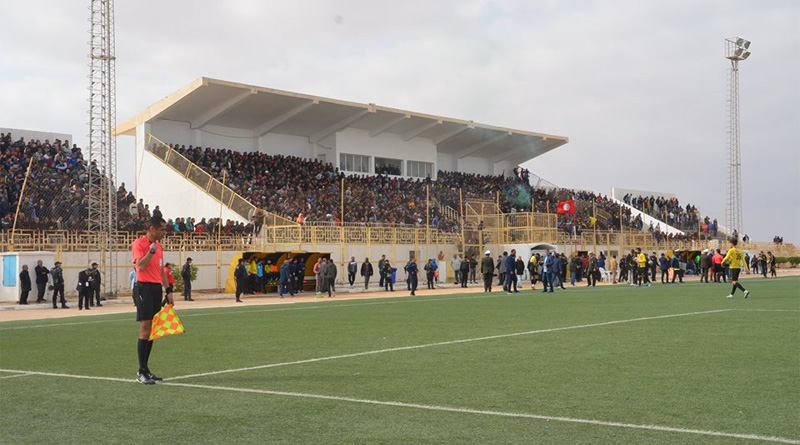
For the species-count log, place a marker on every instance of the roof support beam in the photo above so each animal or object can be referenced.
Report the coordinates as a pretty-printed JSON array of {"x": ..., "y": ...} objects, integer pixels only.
[
  {"x": 516, "y": 151},
  {"x": 453, "y": 133},
  {"x": 389, "y": 125},
  {"x": 318, "y": 136},
  {"x": 273, "y": 123},
  {"x": 545, "y": 146},
  {"x": 472, "y": 149},
  {"x": 208, "y": 116},
  {"x": 421, "y": 129}
]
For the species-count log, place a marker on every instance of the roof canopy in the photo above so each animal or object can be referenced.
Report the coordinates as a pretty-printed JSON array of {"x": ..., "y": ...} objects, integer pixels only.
[{"x": 264, "y": 110}]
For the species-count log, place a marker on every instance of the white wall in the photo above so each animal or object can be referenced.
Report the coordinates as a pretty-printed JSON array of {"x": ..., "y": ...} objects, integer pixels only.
[
  {"x": 504, "y": 167},
  {"x": 388, "y": 145},
  {"x": 17, "y": 133},
  {"x": 12, "y": 293},
  {"x": 446, "y": 162},
  {"x": 475, "y": 165},
  {"x": 160, "y": 185}
]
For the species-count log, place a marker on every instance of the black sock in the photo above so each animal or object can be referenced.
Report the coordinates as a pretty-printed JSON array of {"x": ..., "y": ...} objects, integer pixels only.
[
  {"x": 740, "y": 286},
  {"x": 733, "y": 291},
  {"x": 143, "y": 353}
]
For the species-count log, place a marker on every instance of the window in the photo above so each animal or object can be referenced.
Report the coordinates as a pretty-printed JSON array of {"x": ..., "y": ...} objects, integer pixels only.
[
  {"x": 387, "y": 166},
  {"x": 354, "y": 163},
  {"x": 418, "y": 169}
]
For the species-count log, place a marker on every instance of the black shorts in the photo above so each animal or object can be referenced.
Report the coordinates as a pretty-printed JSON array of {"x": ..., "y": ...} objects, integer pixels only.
[
  {"x": 718, "y": 268},
  {"x": 148, "y": 301},
  {"x": 735, "y": 274}
]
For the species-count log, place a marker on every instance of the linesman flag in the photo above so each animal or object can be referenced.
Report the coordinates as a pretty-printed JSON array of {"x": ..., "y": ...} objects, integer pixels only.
[
  {"x": 566, "y": 206},
  {"x": 166, "y": 322}
]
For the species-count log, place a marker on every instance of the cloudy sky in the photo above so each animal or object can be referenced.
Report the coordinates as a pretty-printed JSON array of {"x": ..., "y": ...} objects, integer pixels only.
[{"x": 639, "y": 87}]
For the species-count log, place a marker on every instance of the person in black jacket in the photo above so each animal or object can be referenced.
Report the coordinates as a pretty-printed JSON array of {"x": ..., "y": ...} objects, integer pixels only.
[
  {"x": 329, "y": 275},
  {"x": 58, "y": 285},
  {"x": 84, "y": 288},
  {"x": 25, "y": 284},
  {"x": 653, "y": 263},
  {"x": 386, "y": 273},
  {"x": 366, "y": 272},
  {"x": 465, "y": 272},
  {"x": 186, "y": 275},
  {"x": 240, "y": 274},
  {"x": 95, "y": 290},
  {"x": 429, "y": 272},
  {"x": 42, "y": 275},
  {"x": 487, "y": 270}
]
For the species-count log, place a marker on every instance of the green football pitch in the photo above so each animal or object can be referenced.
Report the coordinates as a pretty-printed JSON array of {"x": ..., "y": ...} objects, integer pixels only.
[{"x": 670, "y": 364}]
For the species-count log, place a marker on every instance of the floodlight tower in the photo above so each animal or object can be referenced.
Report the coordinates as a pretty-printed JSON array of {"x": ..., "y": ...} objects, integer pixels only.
[
  {"x": 102, "y": 205},
  {"x": 736, "y": 50}
]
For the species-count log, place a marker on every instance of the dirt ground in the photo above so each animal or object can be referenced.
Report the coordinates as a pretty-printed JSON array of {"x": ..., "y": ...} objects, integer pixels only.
[{"x": 204, "y": 300}]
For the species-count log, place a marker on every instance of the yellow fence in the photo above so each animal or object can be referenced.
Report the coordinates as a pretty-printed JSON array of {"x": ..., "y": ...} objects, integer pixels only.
[
  {"x": 212, "y": 186},
  {"x": 273, "y": 236}
]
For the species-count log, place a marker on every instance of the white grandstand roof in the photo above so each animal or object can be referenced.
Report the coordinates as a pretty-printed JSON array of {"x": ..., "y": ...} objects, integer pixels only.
[{"x": 263, "y": 110}]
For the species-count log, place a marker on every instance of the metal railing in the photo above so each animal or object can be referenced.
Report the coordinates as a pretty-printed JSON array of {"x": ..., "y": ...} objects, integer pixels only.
[{"x": 211, "y": 185}]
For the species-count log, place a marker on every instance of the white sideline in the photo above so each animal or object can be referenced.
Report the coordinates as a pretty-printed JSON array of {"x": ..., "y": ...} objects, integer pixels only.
[
  {"x": 443, "y": 343},
  {"x": 440, "y": 408},
  {"x": 767, "y": 310},
  {"x": 496, "y": 413},
  {"x": 15, "y": 375}
]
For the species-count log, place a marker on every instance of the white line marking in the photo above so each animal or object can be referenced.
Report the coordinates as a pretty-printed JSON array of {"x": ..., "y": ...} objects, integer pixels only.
[
  {"x": 496, "y": 413},
  {"x": 767, "y": 310},
  {"x": 15, "y": 375},
  {"x": 660, "y": 428},
  {"x": 443, "y": 343},
  {"x": 72, "y": 376}
]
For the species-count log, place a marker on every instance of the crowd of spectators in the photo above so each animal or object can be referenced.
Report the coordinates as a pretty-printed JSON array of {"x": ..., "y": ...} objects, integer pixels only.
[
  {"x": 668, "y": 210},
  {"x": 55, "y": 195},
  {"x": 307, "y": 191}
]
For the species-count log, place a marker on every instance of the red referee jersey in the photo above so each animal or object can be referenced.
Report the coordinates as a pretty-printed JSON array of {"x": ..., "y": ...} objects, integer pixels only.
[{"x": 152, "y": 274}]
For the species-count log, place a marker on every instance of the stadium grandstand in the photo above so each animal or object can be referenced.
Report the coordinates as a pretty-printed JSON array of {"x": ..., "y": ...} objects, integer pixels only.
[{"x": 235, "y": 168}]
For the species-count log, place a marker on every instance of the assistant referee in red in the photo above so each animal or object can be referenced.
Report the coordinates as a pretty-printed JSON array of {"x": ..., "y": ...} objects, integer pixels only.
[{"x": 148, "y": 259}]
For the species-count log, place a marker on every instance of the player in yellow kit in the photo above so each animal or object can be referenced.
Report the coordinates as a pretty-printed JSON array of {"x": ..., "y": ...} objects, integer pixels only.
[
  {"x": 735, "y": 259},
  {"x": 641, "y": 260}
]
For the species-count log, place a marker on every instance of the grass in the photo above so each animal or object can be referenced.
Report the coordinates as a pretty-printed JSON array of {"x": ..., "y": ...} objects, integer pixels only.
[{"x": 734, "y": 371}]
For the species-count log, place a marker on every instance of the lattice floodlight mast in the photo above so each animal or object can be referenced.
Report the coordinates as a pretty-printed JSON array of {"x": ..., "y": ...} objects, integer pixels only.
[
  {"x": 102, "y": 209},
  {"x": 736, "y": 50}
]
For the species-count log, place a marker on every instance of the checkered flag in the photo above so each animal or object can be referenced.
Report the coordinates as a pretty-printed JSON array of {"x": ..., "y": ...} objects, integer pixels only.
[{"x": 166, "y": 322}]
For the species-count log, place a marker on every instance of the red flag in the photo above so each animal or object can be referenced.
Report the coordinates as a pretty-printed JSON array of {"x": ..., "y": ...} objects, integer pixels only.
[{"x": 566, "y": 206}]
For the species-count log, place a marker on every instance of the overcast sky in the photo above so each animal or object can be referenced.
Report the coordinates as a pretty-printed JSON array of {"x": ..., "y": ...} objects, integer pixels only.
[{"x": 639, "y": 87}]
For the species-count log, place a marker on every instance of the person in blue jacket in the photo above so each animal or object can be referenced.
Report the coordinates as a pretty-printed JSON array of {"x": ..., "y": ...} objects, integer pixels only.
[
  {"x": 558, "y": 266},
  {"x": 547, "y": 271},
  {"x": 511, "y": 277},
  {"x": 663, "y": 264},
  {"x": 286, "y": 279}
]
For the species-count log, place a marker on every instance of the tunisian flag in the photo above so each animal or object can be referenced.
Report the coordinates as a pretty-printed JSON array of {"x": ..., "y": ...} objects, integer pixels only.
[{"x": 566, "y": 206}]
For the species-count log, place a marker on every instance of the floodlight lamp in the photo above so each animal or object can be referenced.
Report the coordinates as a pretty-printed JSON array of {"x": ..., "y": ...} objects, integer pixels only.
[
  {"x": 739, "y": 41},
  {"x": 746, "y": 44},
  {"x": 745, "y": 55},
  {"x": 738, "y": 52}
]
